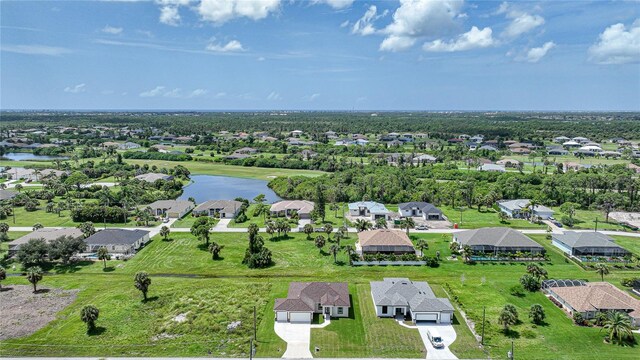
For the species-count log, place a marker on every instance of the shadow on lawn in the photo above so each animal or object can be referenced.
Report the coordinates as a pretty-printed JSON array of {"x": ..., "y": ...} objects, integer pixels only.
[
  {"x": 68, "y": 268},
  {"x": 108, "y": 269},
  {"x": 98, "y": 330},
  {"x": 150, "y": 299}
]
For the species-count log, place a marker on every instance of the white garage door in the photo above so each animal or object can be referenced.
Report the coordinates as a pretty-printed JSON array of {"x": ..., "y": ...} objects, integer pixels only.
[
  {"x": 300, "y": 317},
  {"x": 281, "y": 316},
  {"x": 426, "y": 317},
  {"x": 445, "y": 318}
]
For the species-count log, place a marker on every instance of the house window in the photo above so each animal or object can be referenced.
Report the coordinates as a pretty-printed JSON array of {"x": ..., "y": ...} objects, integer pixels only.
[
  {"x": 340, "y": 311},
  {"x": 319, "y": 306},
  {"x": 384, "y": 309}
]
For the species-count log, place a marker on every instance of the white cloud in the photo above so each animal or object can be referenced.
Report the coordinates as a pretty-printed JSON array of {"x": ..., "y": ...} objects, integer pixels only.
[
  {"x": 419, "y": 18},
  {"x": 261, "y": 58},
  {"x": 35, "y": 50},
  {"x": 169, "y": 15},
  {"x": 112, "y": 30},
  {"x": 157, "y": 91},
  {"x": 274, "y": 96},
  {"x": 231, "y": 46},
  {"x": 344, "y": 24},
  {"x": 364, "y": 25},
  {"x": 221, "y": 11},
  {"x": 311, "y": 97},
  {"x": 473, "y": 39},
  {"x": 617, "y": 45},
  {"x": 175, "y": 93},
  {"x": 198, "y": 93},
  {"x": 75, "y": 89},
  {"x": 521, "y": 22},
  {"x": 220, "y": 95},
  {"x": 535, "y": 54},
  {"x": 336, "y": 4}
]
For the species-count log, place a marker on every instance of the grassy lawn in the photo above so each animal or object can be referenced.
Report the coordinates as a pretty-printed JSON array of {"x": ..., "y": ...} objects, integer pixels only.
[
  {"x": 473, "y": 219},
  {"x": 214, "y": 293},
  {"x": 188, "y": 220},
  {"x": 586, "y": 219},
  {"x": 630, "y": 243},
  {"x": 29, "y": 218}
]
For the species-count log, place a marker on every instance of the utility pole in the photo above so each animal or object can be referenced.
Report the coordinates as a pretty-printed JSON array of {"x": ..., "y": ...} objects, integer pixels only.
[
  {"x": 255, "y": 326},
  {"x": 484, "y": 313},
  {"x": 596, "y": 228},
  {"x": 251, "y": 349}
]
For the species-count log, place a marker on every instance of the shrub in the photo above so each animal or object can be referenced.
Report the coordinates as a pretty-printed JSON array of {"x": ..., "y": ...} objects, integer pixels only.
[{"x": 517, "y": 290}]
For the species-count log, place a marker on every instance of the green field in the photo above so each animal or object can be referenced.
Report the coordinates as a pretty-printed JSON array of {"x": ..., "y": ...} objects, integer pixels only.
[
  {"x": 186, "y": 280},
  {"x": 473, "y": 219}
]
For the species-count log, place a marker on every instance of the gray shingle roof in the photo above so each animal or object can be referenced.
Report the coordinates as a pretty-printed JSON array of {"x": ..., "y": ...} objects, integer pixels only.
[
  {"x": 172, "y": 205},
  {"x": 520, "y": 204},
  {"x": 116, "y": 237},
  {"x": 585, "y": 239},
  {"x": 425, "y": 207},
  {"x": 495, "y": 236},
  {"x": 7, "y": 194},
  {"x": 227, "y": 206},
  {"x": 418, "y": 296}
]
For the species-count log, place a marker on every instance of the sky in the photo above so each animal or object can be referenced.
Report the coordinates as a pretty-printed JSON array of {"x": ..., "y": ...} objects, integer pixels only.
[{"x": 320, "y": 55}]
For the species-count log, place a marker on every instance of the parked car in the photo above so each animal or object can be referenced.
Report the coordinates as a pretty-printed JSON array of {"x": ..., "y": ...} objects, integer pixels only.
[
  {"x": 165, "y": 220},
  {"x": 435, "y": 339},
  {"x": 422, "y": 227}
]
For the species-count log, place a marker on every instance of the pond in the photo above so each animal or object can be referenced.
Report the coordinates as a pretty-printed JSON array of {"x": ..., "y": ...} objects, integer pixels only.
[
  {"x": 209, "y": 187},
  {"x": 26, "y": 156}
]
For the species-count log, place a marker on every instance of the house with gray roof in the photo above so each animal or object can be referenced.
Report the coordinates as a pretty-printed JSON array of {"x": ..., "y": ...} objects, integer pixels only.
[
  {"x": 174, "y": 209},
  {"x": 153, "y": 177},
  {"x": 420, "y": 209},
  {"x": 224, "y": 209},
  {"x": 519, "y": 209},
  {"x": 117, "y": 241},
  {"x": 491, "y": 167},
  {"x": 46, "y": 234},
  {"x": 307, "y": 298},
  {"x": 401, "y": 297},
  {"x": 497, "y": 240},
  {"x": 587, "y": 243},
  {"x": 7, "y": 194},
  {"x": 369, "y": 209}
]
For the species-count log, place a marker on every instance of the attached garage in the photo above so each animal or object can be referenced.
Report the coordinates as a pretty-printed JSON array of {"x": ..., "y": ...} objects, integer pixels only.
[
  {"x": 433, "y": 317},
  {"x": 300, "y": 317},
  {"x": 445, "y": 318},
  {"x": 281, "y": 316}
]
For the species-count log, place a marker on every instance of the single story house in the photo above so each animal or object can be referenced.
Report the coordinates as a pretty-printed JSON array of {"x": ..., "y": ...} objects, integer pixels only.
[
  {"x": 153, "y": 177},
  {"x": 491, "y": 167},
  {"x": 591, "y": 298},
  {"x": 118, "y": 241},
  {"x": 369, "y": 209},
  {"x": 174, "y": 209},
  {"x": 424, "y": 158},
  {"x": 418, "y": 208},
  {"x": 384, "y": 241},
  {"x": 128, "y": 146},
  {"x": 514, "y": 209},
  {"x": 225, "y": 209},
  {"x": 46, "y": 234},
  {"x": 497, "y": 240},
  {"x": 508, "y": 163},
  {"x": 587, "y": 243},
  {"x": 7, "y": 194},
  {"x": 307, "y": 298},
  {"x": 395, "y": 297},
  {"x": 288, "y": 207}
]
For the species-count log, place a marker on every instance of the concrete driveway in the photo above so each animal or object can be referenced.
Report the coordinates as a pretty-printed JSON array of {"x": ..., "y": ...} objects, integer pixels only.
[
  {"x": 298, "y": 338},
  {"x": 448, "y": 337}
]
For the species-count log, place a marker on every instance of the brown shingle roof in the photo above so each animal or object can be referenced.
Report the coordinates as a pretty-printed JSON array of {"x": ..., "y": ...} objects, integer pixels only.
[
  {"x": 598, "y": 296},
  {"x": 384, "y": 237},
  {"x": 303, "y": 296}
]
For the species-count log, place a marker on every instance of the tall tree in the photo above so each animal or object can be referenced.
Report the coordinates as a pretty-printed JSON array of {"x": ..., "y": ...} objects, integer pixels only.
[
  {"x": 618, "y": 327},
  {"x": 87, "y": 229},
  {"x": 334, "y": 250},
  {"x": 164, "y": 232},
  {"x": 536, "y": 313},
  {"x": 103, "y": 254},
  {"x": 89, "y": 315},
  {"x": 320, "y": 242},
  {"x": 602, "y": 270},
  {"x": 34, "y": 275},
  {"x": 142, "y": 281}
]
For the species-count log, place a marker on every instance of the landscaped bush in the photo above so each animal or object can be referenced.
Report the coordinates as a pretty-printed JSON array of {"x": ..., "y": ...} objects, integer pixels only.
[{"x": 96, "y": 214}]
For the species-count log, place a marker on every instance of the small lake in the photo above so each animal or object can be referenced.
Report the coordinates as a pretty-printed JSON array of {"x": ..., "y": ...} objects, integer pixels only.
[
  {"x": 209, "y": 187},
  {"x": 19, "y": 156}
]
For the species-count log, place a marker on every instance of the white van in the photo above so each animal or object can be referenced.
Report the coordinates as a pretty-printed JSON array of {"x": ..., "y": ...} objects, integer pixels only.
[{"x": 435, "y": 338}]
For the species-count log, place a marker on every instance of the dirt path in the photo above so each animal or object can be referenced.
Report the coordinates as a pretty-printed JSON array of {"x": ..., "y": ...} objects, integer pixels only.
[{"x": 19, "y": 305}]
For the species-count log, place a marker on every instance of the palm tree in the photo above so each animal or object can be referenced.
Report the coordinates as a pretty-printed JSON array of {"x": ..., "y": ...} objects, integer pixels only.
[
  {"x": 271, "y": 228},
  {"x": 89, "y": 315},
  {"x": 454, "y": 247},
  {"x": 142, "y": 281},
  {"x": 618, "y": 326},
  {"x": 103, "y": 254},
  {"x": 328, "y": 229},
  {"x": 337, "y": 237},
  {"x": 34, "y": 275},
  {"x": 362, "y": 225},
  {"x": 334, "y": 207},
  {"x": 537, "y": 271},
  {"x": 506, "y": 318},
  {"x": 320, "y": 242},
  {"x": 536, "y": 313},
  {"x": 467, "y": 252},
  {"x": 164, "y": 232},
  {"x": 381, "y": 223},
  {"x": 215, "y": 250},
  {"x": 334, "y": 249},
  {"x": 602, "y": 270},
  {"x": 349, "y": 249},
  {"x": 308, "y": 230},
  {"x": 422, "y": 244},
  {"x": 407, "y": 224}
]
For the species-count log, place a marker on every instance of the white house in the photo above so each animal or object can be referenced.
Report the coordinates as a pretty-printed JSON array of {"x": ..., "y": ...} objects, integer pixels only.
[
  {"x": 369, "y": 209},
  {"x": 514, "y": 209},
  {"x": 420, "y": 209},
  {"x": 401, "y": 297}
]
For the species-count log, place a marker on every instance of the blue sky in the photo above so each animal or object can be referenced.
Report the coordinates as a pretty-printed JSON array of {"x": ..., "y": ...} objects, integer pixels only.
[{"x": 323, "y": 54}]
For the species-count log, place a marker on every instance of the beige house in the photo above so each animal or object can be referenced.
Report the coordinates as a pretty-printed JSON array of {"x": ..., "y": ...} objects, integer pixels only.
[
  {"x": 174, "y": 209},
  {"x": 288, "y": 207},
  {"x": 384, "y": 241},
  {"x": 307, "y": 298}
]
